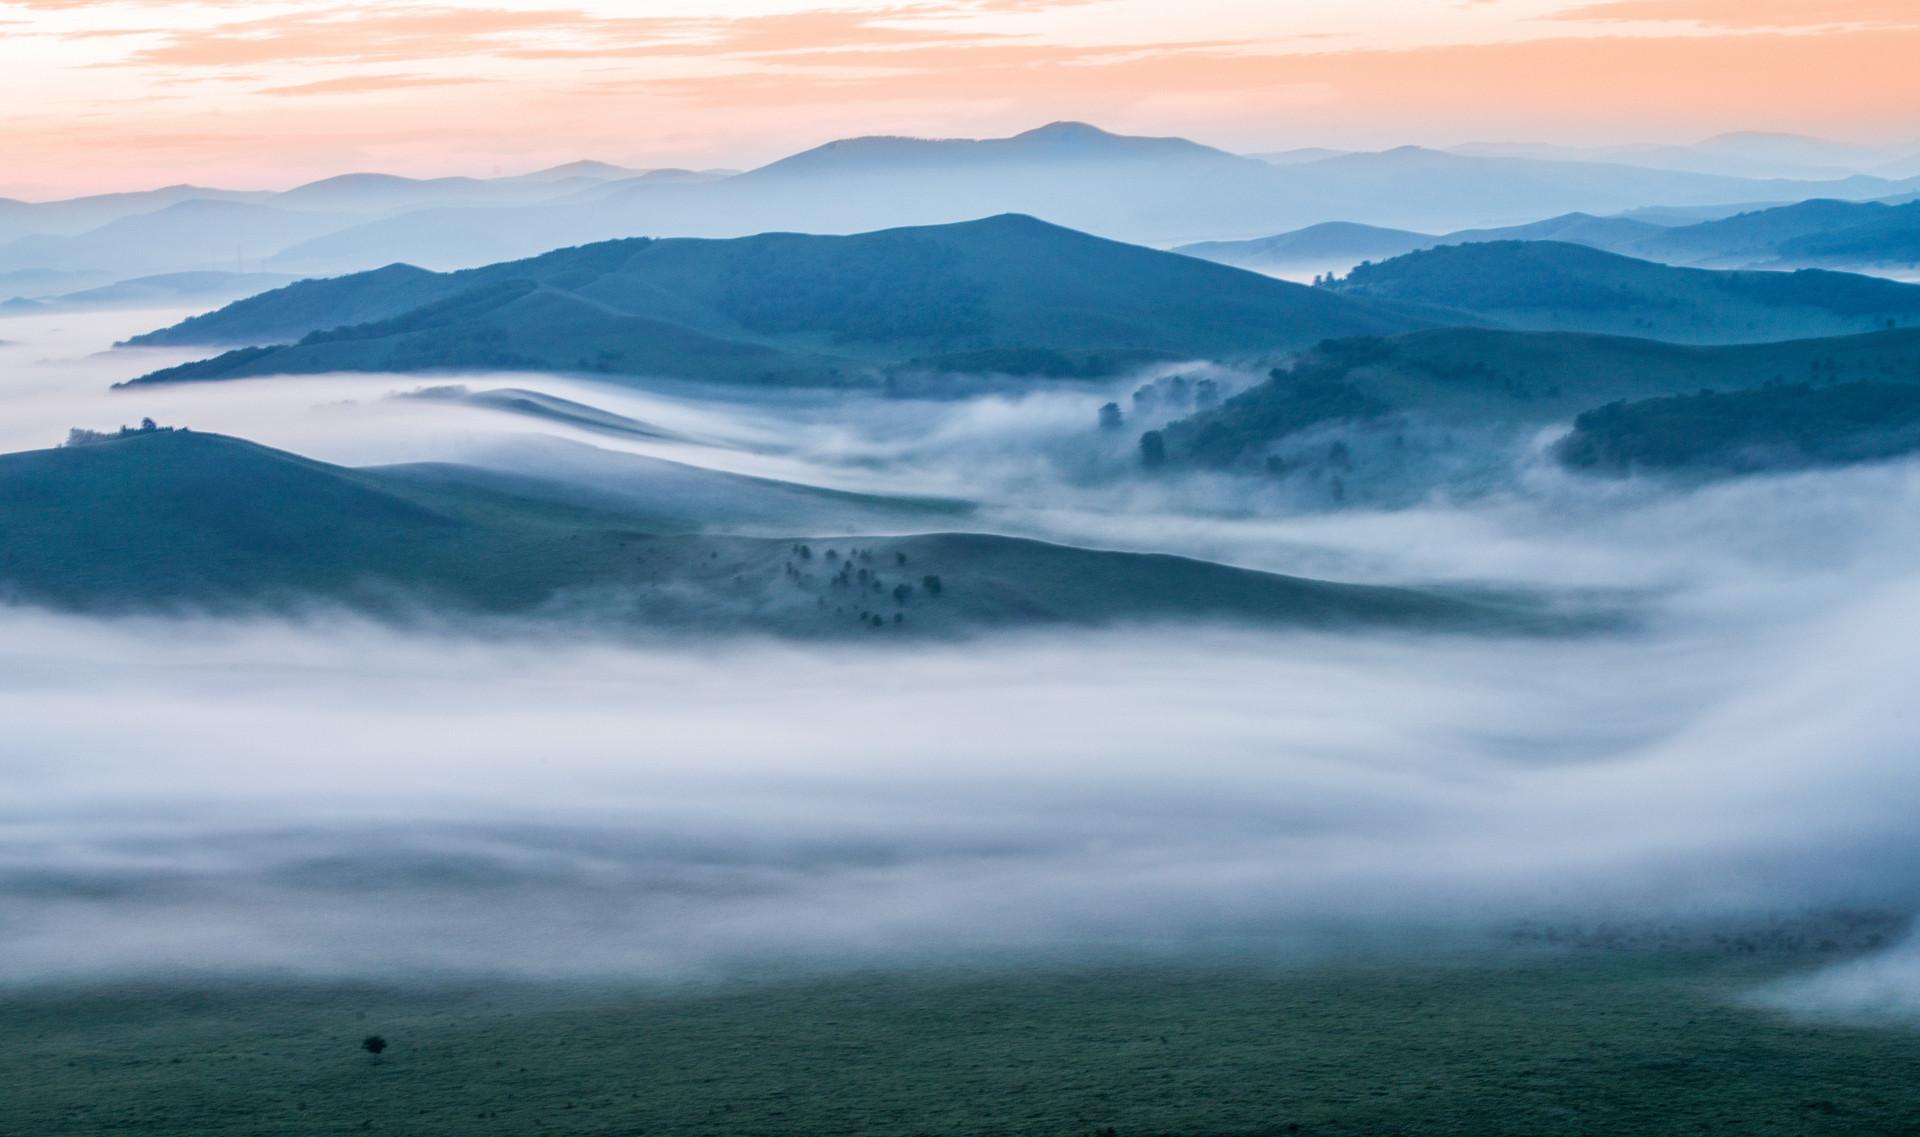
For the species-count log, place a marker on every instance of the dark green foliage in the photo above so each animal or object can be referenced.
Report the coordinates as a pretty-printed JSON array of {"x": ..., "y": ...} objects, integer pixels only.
[
  {"x": 1773, "y": 428},
  {"x": 1284, "y": 405},
  {"x": 80, "y": 436},
  {"x": 1354, "y": 351},
  {"x": 1153, "y": 449},
  {"x": 892, "y": 287}
]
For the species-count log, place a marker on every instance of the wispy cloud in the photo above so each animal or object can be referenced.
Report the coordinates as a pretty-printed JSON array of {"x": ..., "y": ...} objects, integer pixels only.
[
  {"x": 365, "y": 84},
  {"x": 1753, "y": 14}
]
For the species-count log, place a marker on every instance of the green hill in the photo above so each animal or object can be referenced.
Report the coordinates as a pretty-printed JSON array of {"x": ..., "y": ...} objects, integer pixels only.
[
  {"x": 1352, "y": 403},
  {"x": 1744, "y": 432},
  {"x": 783, "y": 308},
  {"x": 188, "y": 521},
  {"x": 1550, "y": 285}
]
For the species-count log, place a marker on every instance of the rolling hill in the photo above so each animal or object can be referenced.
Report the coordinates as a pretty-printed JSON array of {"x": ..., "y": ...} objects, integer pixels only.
[
  {"x": 1006, "y": 293},
  {"x": 1399, "y": 418},
  {"x": 1552, "y": 286},
  {"x": 172, "y": 520},
  {"x": 1768, "y": 429},
  {"x": 1818, "y": 233}
]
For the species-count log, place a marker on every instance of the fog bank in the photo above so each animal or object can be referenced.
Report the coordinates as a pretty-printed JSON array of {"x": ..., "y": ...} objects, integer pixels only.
[
  {"x": 270, "y": 797},
  {"x": 332, "y": 797}
]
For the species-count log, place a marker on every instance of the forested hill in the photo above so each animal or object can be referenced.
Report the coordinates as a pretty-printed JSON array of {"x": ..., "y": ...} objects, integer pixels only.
[{"x": 1005, "y": 293}]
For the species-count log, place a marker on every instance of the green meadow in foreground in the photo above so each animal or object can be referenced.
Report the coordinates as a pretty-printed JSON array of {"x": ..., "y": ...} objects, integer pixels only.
[{"x": 1592, "y": 1042}]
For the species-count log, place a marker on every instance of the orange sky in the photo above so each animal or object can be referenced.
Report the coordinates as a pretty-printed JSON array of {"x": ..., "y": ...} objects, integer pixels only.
[{"x": 107, "y": 94}]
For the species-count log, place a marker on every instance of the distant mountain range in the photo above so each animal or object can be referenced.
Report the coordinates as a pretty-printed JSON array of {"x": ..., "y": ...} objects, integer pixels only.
[
  {"x": 168, "y": 290},
  {"x": 1008, "y": 294},
  {"x": 172, "y": 520},
  {"x": 1151, "y": 191},
  {"x": 1850, "y": 235},
  {"x": 1744, "y": 154},
  {"x": 1158, "y": 191},
  {"x": 194, "y": 228}
]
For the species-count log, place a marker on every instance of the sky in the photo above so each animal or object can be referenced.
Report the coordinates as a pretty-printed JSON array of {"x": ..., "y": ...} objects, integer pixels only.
[{"x": 119, "y": 94}]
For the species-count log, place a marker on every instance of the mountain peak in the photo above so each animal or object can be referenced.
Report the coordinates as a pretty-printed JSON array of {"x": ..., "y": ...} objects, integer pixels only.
[
  {"x": 1067, "y": 130},
  {"x": 585, "y": 168}
]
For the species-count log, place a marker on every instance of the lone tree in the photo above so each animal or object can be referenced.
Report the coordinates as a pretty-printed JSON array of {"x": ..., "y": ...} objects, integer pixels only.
[
  {"x": 1153, "y": 449},
  {"x": 1111, "y": 418},
  {"x": 373, "y": 1044}
]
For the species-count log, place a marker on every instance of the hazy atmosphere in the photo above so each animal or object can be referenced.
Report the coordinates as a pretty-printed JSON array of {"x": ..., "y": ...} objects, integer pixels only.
[{"x": 959, "y": 568}]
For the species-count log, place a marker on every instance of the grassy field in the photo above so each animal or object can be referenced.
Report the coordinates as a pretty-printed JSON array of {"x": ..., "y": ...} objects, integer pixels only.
[{"x": 1588, "y": 1043}]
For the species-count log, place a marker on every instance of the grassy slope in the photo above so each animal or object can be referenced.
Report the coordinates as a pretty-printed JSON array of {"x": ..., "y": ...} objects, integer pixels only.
[
  {"x": 1548, "y": 285},
  {"x": 519, "y": 326},
  {"x": 1647, "y": 1044},
  {"x": 782, "y": 305},
  {"x": 544, "y": 407},
  {"x": 177, "y": 519}
]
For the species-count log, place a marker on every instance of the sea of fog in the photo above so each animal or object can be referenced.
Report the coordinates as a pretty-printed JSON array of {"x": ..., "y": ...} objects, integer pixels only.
[{"x": 339, "y": 798}]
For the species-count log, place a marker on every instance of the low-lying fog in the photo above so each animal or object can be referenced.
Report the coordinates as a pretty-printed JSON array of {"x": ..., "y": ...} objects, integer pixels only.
[{"x": 340, "y": 798}]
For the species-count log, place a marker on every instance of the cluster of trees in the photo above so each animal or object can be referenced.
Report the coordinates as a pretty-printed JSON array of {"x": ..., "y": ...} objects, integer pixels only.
[
  {"x": 1245, "y": 426},
  {"x": 1177, "y": 393},
  {"x": 79, "y": 436},
  {"x": 1173, "y": 395},
  {"x": 857, "y": 573}
]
